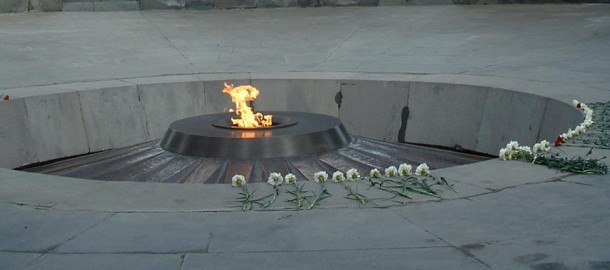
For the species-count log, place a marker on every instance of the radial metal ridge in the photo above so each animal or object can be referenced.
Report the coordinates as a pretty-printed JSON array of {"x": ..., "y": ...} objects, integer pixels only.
[{"x": 148, "y": 162}]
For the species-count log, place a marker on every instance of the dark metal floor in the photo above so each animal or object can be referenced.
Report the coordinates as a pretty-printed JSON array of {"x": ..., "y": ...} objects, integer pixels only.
[{"x": 148, "y": 162}]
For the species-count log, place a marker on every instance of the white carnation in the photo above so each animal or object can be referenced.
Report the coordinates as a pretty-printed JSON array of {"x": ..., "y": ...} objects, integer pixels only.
[
  {"x": 290, "y": 179},
  {"x": 352, "y": 175},
  {"x": 238, "y": 180},
  {"x": 391, "y": 171},
  {"x": 275, "y": 179},
  {"x": 338, "y": 177},
  {"x": 320, "y": 177},
  {"x": 422, "y": 170},
  {"x": 375, "y": 173},
  {"x": 404, "y": 169}
]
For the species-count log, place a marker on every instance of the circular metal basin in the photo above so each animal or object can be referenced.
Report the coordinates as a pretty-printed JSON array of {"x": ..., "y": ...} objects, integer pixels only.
[{"x": 293, "y": 134}]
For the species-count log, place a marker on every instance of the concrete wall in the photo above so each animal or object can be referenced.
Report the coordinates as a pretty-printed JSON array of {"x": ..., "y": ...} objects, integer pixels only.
[
  {"x": 49, "y": 122},
  {"x": 7, "y": 6},
  {"x": 29, "y": 5},
  {"x": 222, "y": 4}
]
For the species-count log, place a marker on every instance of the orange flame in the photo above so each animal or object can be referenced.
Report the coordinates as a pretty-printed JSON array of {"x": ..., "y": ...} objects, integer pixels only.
[{"x": 240, "y": 95}]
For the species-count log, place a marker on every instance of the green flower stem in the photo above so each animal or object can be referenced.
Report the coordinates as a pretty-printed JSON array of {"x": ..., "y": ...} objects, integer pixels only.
[
  {"x": 266, "y": 202},
  {"x": 444, "y": 182},
  {"x": 246, "y": 198},
  {"x": 299, "y": 196},
  {"x": 358, "y": 197},
  {"x": 322, "y": 194},
  {"x": 574, "y": 165}
]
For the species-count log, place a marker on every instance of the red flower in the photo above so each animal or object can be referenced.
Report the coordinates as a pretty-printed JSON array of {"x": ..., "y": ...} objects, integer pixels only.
[
  {"x": 6, "y": 97},
  {"x": 559, "y": 141}
]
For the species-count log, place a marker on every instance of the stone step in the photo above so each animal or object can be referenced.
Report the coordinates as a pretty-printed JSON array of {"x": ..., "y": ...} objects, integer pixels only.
[{"x": 114, "y": 5}]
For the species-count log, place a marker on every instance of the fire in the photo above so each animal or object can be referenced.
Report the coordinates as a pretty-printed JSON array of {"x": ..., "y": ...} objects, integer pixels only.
[{"x": 241, "y": 95}]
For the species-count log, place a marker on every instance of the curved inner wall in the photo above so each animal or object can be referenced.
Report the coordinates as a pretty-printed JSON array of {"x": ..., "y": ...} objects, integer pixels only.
[{"x": 61, "y": 122}]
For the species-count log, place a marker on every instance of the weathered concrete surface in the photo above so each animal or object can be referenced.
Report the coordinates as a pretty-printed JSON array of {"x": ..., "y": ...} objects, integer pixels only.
[
  {"x": 509, "y": 215},
  {"x": 558, "y": 43}
]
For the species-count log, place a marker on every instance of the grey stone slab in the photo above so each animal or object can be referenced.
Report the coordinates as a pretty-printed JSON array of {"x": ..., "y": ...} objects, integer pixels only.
[
  {"x": 163, "y": 79},
  {"x": 235, "y": 4},
  {"x": 166, "y": 103},
  {"x": 339, "y": 2},
  {"x": 13, "y": 260},
  {"x": 148, "y": 197},
  {"x": 114, "y": 117},
  {"x": 275, "y": 3},
  {"x": 498, "y": 174},
  {"x": 558, "y": 118},
  {"x": 108, "y": 261},
  {"x": 599, "y": 180},
  {"x": 391, "y": 2},
  {"x": 13, "y": 6},
  {"x": 45, "y": 5},
  {"x": 78, "y": 6},
  {"x": 116, "y": 5},
  {"x": 317, "y": 230},
  {"x": 147, "y": 233},
  {"x": 50, "y": 190},
  {"x": 375, "y": 109},
  {"x": 317, "y": 96},
  {"x": 56, "y": 124},
  {"x": 582, "y": 248},
  {"x": 16, "y": 137},
  {"x": 162, "y": 4},
  {"x": 430, "y": 2},
  {"x": 446, "y": 115},
  {"x": 509, "y": 116},
  {"x": 199, "y": 4},
  {"x": 520, "y": 212},
  {"x": 426, "y": 258},
  {"x": 41, "y": 230}
]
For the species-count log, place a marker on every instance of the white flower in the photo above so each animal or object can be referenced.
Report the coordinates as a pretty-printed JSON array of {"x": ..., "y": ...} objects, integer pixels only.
[
  {"x": 338, "y": 177},
  {"x": 546, "y": 146},
  {"x": 588, "y": 111},
  {"x": 503, "y": 154},
  {"x": 404, "y": 169},
  {"x": 542, "y": 146},
  {"x": 391, "y": 171},
  {"x": 575, "y": 102},
  {"x": 375, "y": 173},
  {"x": 320, "y": 177},
  {"x": 290, "y": 179},
  {"x": 422, "y": 170},
  {"x": 588, "y": 123},
  {"x": 508, "y": 154},
  {"x": 526, "y": 149},
  {"x": 580, "y": 129},
  {"x": 352, "y": 175},
  {"x": 275, "y": 179},
  {"x": 238, "y": 180},
  {"x": 512, "y": 145},
  {"x": 570, "y": 133}
]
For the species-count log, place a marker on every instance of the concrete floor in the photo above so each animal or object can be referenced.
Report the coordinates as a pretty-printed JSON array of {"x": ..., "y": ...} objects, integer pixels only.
[{"x": 508, "y": 215}]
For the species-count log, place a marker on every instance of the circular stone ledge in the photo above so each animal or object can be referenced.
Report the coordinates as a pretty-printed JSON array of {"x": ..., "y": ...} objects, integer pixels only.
[
  {"x": 73, "y": 194},
  {"x": 54, "y": 113}
]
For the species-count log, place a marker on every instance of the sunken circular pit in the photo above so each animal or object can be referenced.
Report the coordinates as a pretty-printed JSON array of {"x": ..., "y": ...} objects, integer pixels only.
[{"x": 389, "y": 122}]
